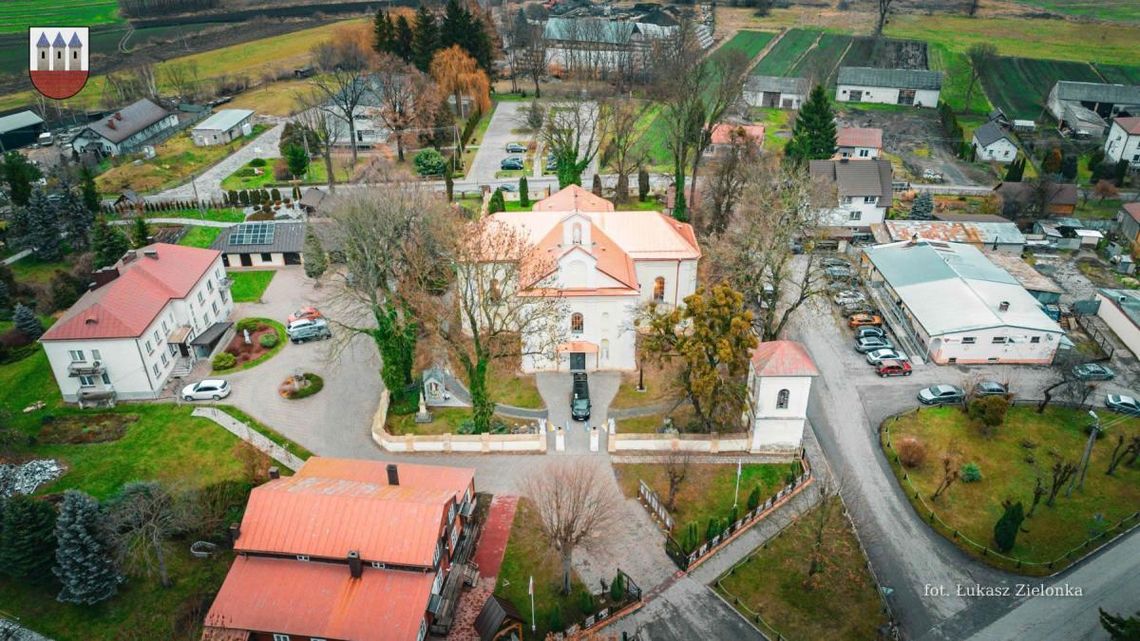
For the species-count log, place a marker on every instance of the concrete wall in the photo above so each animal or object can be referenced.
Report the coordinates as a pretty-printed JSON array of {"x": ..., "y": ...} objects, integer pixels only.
[
  {"x": 699, "y": 443},
  {"x": 886, "y": 95},
  {"x": 1120, "y": 324},
  {"x": 472, "y": 443},
  {"x": 984, "y": 350}
]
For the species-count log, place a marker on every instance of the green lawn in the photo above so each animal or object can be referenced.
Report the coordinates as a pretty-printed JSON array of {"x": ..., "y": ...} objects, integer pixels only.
[
  {"x": 317, "y": 174},
  {"x": 250, "y": 285},
  {"x": 225, "y": 215},
  {"x": 1020, "y": 86},
  {"x": 446, "y": 420},
  {"x": 1009, "y": 467},
  {"x": 529, "y": 554},
  {"x": 955, "y": 68},
  {"x": 32, "y": 270},
  {"x": 821, "y": 62},
  {"x": 707, "y": 491},
  {"x": 1119, "y": 74},
  {"x": 1116, "y": 10},
  {"x": 510, "y": 388},
  {"x": 176, "y": 161},
  {"x": 199, "y": 236},
  {"x": 17, "y": 15},
  {"x": 839, "y": 602},
  {"x": 1096, "y": 208},
  {"x": 780, "y": 60},
  {"x": 750, "y": 43}
]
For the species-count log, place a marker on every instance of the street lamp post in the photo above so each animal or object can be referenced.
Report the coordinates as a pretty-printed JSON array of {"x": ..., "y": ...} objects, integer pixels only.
[{"x": 1080, "y": 481}]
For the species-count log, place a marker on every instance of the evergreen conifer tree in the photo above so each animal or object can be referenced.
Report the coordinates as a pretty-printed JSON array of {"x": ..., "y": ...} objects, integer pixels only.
[
  {"x": 1016, "y": 169},
  {"x": 923, "y": 207},
  {"x": 403, "y": 46},
  {"x": 524, "y": 194},
  {"x": 108, "y": 243},
  {"x": 642, "y": 184},
  {"x": 83, "y": 559},
  {"x": 597, "y": 186},
  {"x": 813, "y": 135},
  {"x": 27, "y": 537},
  {"x": 20, "y": 175},
  {"x": 316, "y": 262},
  {"x": 383, "y": 32},
  {"x": 74, "y": 216},
  {"x": 497, "y": 203},
  {"x": 1119, "y": 627},
  {"x": 5, "y": 300},
  {"x": 140, "y": 233},
  {"x": 425, "y": 40},
  {"x": 1006, "y": 528},
  {"x": 89, "y": 191},
  {"x": 41, "y": 233},
  {"x": 27, "y": 322}
]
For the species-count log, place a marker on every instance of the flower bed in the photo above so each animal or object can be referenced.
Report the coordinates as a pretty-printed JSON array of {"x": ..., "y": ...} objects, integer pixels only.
[
  {"x": 242, "y": 355},
  {"x": 308, "y": 385}
]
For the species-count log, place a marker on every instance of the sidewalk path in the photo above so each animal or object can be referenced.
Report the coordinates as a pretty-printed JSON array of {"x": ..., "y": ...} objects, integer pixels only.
[
  {"x": 251, "y": 436},
  {"x": 191, "y": 222},
  {"x": 496, "y": 530},
  {"x": 209, "y": 182}
]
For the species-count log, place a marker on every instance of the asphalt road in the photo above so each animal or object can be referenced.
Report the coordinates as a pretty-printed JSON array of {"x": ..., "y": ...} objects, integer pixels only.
[{"x": 493, "y": 147}]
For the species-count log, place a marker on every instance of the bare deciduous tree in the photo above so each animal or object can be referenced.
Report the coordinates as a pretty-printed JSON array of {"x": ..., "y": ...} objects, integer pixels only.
[
  {"x": 727, "y": 73},
  {"x": 407, "y": 98},
  {"x": 1066, "y": 383},
  {"x": 884, "y": 7},
  {"x": 343, "y": 90},
  {"x": 534, "y": 57},
  {"x": 324, "y": 130},
  {"x": 574, "y": 133},
  {"x": 1062, "y": 472},
  {"x": 575, "y": 505},
  {"x": 950, "y": 474},
  {"x": 756, "y": 251},
  {"x": 1038, "y": 492},
  {"x": 144, "y": 517},
  {"x": 1121, "y": 451},
  {"x": 183, "y": 78},
  {"x": 828, "y": 507},
  {"x": 676, "y": 464},
  {"x": 730, "y": 172},
  {"x": 625, "y": 150}
]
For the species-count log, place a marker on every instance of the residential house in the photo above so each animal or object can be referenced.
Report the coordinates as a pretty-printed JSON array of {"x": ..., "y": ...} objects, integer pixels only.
[
  {"x": 1059, "y": 233},
  {"x": 1085, "y": 107},
  {"x": 349, "y": 550},
  {"x": 593, "y": 46},
  {"x": 776, "y": 92},
  {"x": 223, "y": 127},
  {"x": 1019, "y": 198},
  {"x": 1123, "y": 141},
  {"x": 863, "y": 191},
  {"x": 1037, "y": 284},
  {"x": 915, "y": 87},
  {"x": 991, "y": 142},
  {"x": 19, "y": 129},
  {"x": 146, "y": 319},
  {"x": 859, "y": 142},
  {"x": 780, "y": 375},
  {"x": 1129, "y": 219},
  {"x": 129, "y": 201},
  {"x": 1003, "y": 237},
  {"x": 261, "y": 244},
  {"x": 721, "y": 138},
  {"x": 126, "y": 130},
  {"x": 959, "y": 307},
  {"x": 1120, "y": 310},
  {"x": 604, "y": 265}
]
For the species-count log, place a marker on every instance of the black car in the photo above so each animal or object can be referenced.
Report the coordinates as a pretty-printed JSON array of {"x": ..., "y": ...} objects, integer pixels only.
[
  {"x": 512, "y": 163},
  {"x": 990, "y": 388},
  {"x": 580, "y": 397}
]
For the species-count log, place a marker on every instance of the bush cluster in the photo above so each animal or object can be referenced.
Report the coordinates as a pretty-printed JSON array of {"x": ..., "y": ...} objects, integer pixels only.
[
  {"x": 912, "y": 452},
  {"x": 225, "y": 360}
]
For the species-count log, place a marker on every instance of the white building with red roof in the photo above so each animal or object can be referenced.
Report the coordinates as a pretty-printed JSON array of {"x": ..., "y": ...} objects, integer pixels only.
[
  {"x": 604, "y": 264},
  {"x": 779, "y": 384},
  {"x": 858, "y": 142},
  {"x": 151, "y": 314}
]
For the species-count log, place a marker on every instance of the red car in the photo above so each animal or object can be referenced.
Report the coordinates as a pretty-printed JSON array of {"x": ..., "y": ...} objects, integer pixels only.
[
  {"x": 890, "y": 367},
  {"x": 305, "y": 313}
]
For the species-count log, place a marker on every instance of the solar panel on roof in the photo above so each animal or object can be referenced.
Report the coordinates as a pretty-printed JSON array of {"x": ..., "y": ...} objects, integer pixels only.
[{"x": 252, "y": 234}]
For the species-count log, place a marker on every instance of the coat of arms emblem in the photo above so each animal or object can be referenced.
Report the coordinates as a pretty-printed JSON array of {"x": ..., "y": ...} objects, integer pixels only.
[{"x": 58, "y": 60}]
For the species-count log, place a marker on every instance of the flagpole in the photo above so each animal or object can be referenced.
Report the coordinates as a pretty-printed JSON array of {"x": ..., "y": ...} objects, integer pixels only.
[
  {"x": 736, "y": 494},
  {"x": 531, "y": 590}
]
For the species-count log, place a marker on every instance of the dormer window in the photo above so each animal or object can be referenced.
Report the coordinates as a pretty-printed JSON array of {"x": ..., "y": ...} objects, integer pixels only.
[{"x": 576, "y": 234}]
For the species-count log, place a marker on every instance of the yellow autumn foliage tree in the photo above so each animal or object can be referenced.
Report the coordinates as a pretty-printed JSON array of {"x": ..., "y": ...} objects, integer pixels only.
[{"x": 458, "y": 75}]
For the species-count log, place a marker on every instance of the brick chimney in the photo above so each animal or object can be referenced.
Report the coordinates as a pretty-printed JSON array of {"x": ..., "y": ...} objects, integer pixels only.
[
  {"x": 355, "y": 566},
  {"x": 393, "y": 474},
  {"x": 103, "y": 276},
  {"x": 274, "y": 473},
  {"x": 233, "y": 533}
]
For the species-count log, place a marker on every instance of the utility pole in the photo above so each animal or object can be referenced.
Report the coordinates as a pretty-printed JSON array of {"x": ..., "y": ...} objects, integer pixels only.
[{"x": 1080, "y": 481}]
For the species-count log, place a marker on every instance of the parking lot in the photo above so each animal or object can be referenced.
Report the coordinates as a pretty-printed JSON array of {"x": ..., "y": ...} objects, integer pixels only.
[{"x": 493, "y": 147}]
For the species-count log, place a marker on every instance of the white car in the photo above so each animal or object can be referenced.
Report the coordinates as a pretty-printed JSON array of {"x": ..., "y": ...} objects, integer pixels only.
[
  {"x": 848, "y": 297},
  {"x": 876, "y": 356},
  {"x": 209, "y": 389}
]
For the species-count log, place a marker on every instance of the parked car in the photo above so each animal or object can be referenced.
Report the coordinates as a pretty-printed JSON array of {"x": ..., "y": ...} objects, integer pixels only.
[
  {"x": 870, "y": 331},
  {"x": 516, "y": 148},
  {"x": 990, "y": 388},
  {"x": 508, "y": 187},
  {"x": 941, "y": 394},
  {"x": 862, "y": 320},
  {"x": 1122, "y": 403},
  {"x": 930, "y": 174},
  {"x": 835, "y": 262},
  {"x": 864, "y": 345},
  {"x": 838, "y": 272},
  {"x": 209, "y": 389},
  {"x": 849, "y": 296},
  {"x": 890, "y": 354},
  {"x": 305, "y": 313},
  {"x": 303, "y": 331},
  {"x": 512, "y": 162},
  {"x": 856, "y": 308},
  {"x": 580, "y": 398},
  {"x": 893, "y": 368},
  {"x": 1093, "y": 372}
]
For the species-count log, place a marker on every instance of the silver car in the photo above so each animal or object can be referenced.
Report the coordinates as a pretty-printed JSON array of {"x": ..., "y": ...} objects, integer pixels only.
[
  {"x": 870, "y": 344},
  {"x": 209, "y": 389},
  {"x": 1121, "y": 403},
  {"x": 849, "y": 296},
  {"x": 876, "y": 356}
]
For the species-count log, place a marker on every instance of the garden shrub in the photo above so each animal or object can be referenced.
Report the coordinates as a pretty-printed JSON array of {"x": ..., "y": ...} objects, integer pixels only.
[
  {"x": 554, "y": 622},
  {"x": 754, "y": 498},
  {"x": 275, "y": 194},
  {"x": 268, "y": 341},
  {"x": 617, "y": 588},
  {"x": 245, "y": 172},
  {"x": 988, "y": 412},
  {"x": 971, "y": 473},
  {"x": 429, "y": 162},
  {"x": 316, "y": 384},
  {"x": 257, "y": 162},
  {"x": 250, "y": 324},
  {"x": 912, "y": 452},
  {"x": 225, "y": 360},
  {"x": 281, "y": 171},
  {"x": 586, "y": 602}
]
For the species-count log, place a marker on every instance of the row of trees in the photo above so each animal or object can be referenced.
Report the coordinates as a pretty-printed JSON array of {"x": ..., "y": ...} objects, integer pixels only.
[{"x": 418, "y": 41}]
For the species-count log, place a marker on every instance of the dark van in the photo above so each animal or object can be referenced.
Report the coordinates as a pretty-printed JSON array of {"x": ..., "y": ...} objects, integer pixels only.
[{"x": 580, "y": 398}]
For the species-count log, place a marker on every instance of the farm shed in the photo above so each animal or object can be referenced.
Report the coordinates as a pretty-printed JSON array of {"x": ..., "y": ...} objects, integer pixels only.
[
  {"x": 775, "y": 91},
  {"x": 992, "y": 143},
  {"x": 1084, "y": 107},
  {"x": 19, "y": 129},
  {"x": 126, "y": 130},
  {"x": 991, "y": 237},
  {"x": 889, "y": 86},
  {"x": 222, "y": 127},
  {"x": 261, "y": 244}
]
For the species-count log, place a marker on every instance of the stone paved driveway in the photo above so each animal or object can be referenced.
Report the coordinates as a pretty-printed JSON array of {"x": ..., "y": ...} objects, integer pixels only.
[{"x": 209, "y": 182}]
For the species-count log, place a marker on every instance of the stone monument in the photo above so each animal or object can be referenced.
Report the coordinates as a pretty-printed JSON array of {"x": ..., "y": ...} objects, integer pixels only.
[{"x": 423, "y": 415}]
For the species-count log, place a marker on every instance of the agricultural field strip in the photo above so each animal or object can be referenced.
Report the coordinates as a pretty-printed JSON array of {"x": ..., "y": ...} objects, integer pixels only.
[
  {"x": 781, "y": 58},
  {"x": 17, "y": 15}
]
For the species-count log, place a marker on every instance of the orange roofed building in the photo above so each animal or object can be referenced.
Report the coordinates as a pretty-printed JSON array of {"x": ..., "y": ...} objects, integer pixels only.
[{"x": 348, "y": 550}]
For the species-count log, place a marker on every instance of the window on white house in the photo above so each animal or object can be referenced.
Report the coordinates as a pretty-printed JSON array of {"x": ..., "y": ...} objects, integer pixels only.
[
  {"x": 172, "y": 349},
  {"x": 577, "y": 323},
  {"x": 156, "y": 341},
  {"x": 969, "y": 340},
  {"x": 855, "y": 215},
  {"x": 998, "y": 339},
  {"x": 863, "y": 153},
  {"x": 214, "y": 306},
  {"x": 302, "y": 557},
  {"x": 846, "y": 200},
  {"x": 86, "y": 381},
  {"x": 1035, "y": 339},
  {"x": 201, "y": 298},
  {"x": 281, "y": 637},
  {"x": 96, "y": 355},
  {"x": 154, "y": 366},
  {"x": 782, "y": 399},
  {"x": 576, "y": 234},
  {"x": 422, "y": 633},
  {"x": 605, "y": 349},
  {"x": 870, "y": 200},
  {"x": 659, "y": 289},
  {"x": 163, "y": 357},
  {"x": 209, "y": 285},
  {"x": 165, "y": 328},
  {"x": 77, "y": 356},
  {"x": 378, "y": 565},
  {"x": 106, "y": 379},
  {"x": 149, "y": 348}
]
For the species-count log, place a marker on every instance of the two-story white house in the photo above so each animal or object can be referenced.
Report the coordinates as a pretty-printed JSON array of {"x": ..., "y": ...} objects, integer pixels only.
[
  {"x": 604, "y": 265},
  {"x": 991, "y": 142},
  {"x": 780, "y": 374},
  {"x": 862, "y": 190},
  {"x": 1123, "y": 141},
  {"x": 126, "y": 130},
  {"x": 148, "y": 317},
  {"x": 864, "y": 143}
]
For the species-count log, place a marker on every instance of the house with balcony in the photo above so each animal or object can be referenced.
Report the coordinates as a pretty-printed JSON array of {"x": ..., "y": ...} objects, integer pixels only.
[
  {"x": 604, "y": 265},
  {"x": 349, "y": 550},
  {"x": 144, "y": 321}
]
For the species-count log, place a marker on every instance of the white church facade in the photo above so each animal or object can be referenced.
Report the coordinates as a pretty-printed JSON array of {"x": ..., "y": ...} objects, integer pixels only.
[
  {"x": 779, "y": 384},
  {"x": 604, "y": 265}
]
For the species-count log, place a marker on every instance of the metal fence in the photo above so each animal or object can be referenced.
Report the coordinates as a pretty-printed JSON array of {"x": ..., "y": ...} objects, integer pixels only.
[
  {"x": 654, "y": 505},
  {"x": 630, "y": 595},
  {"x": 1100, "y": 338}
]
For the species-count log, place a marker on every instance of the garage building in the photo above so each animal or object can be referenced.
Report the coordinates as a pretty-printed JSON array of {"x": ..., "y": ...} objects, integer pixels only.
[
  {"x": 222, "y": 127},
  {"x": 959, "y": 307},
  {"x": 261, "y": 244},
  {"x": 19, "y": 130}
]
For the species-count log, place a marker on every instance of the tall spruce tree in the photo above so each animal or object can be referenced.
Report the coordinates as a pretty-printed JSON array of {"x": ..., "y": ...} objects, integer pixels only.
[
  {"x": 27, "y": 322},
  {"x": 41, "y": 232},
  {"x": 524, "y": 194},
  {"x": 813, "y": 135},
  {"x": 19, "y": 174},
  {"x": 140, "y": 233},
  {"x": 74, "y": 216},
  {"x": 1006, "y": 528},
  {"x": 27, "y": 537},
  {"x": 1015, "y": 171},
  {"x": 84, "y": 563},
  {"x": 923, "y": 207},
  {"x": 89, "y": 191},
  {"x": 383, "y": 32},
  {"x": 1119, "y": 627},
  {"x": 108, "y": 242},
  {"x": 405, "y": 39},
  {"x": 5, "y": 300},
  {"x": 463, "y": 28},
  {"x": 497, "y": 203},
  {"x": 425, "y": 40}
]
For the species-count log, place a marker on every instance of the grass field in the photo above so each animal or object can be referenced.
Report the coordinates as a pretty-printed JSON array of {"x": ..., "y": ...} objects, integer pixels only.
[
  {"x": 820, "y": 63},
  {"x": 1117, "y": 10},
  {"x": 840, "y": 602},
  {"x": 1120, "y": 74},
  {"x": 1009, "y": 469},
  {"x": 33, "y": 270},
  {"x": 955, "y": 70},
  {"x": 275, "y": 99},
  {"x": 780, "y": 60},
  {"x": 199, "y": 236},
  {"x": 750, "y": 43},
  {"x": 1020, "y": 86},
  {"x": 17, "y": 15},
  {"x": 250, "y": 285}
]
